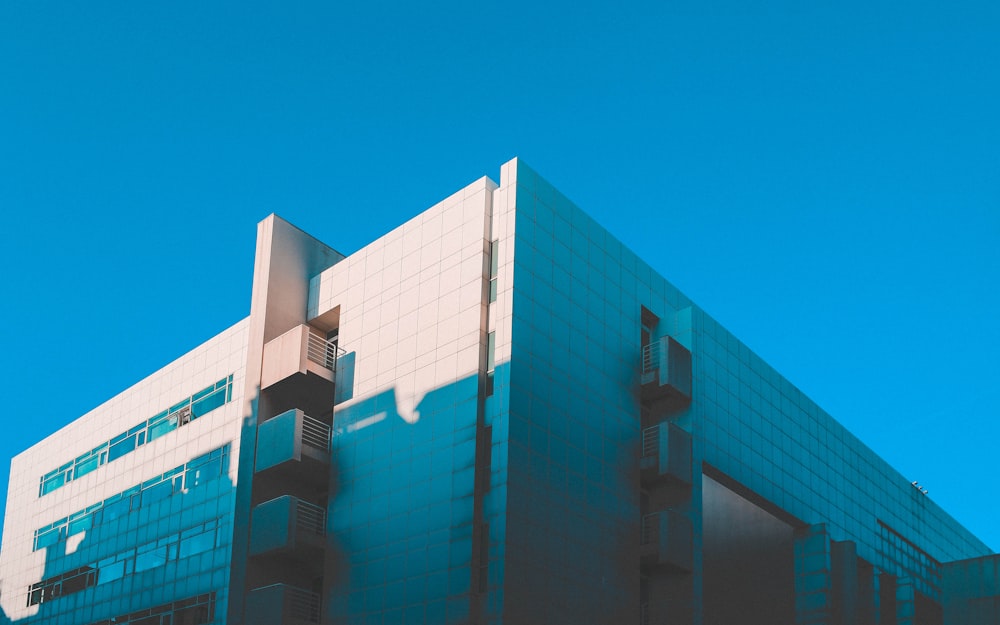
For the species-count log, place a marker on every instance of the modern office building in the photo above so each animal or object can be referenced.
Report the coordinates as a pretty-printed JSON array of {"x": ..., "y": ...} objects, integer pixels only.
[{"x": 495, "y": 413}]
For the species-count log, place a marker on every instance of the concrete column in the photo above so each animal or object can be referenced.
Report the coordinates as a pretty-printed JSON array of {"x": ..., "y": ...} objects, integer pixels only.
[
  {"x": 813, "y": 583},
  {"x": 844, "y": 558}
]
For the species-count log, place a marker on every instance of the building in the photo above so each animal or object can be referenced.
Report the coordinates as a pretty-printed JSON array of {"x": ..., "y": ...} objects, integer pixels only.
[{"x": 494, "y": 413}]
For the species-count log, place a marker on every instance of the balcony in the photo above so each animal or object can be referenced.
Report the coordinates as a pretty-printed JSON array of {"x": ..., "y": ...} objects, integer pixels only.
[
  {"x": 665, "y": 542},
  {"x": 666, "y": 373},
  {"x": 291, "y": 528},
  {"x": 295, "y": 444},
  {"x": 299, "y": 356},
  {"x": 281, "y": 604},
  {"x": 666, "y": 454}
]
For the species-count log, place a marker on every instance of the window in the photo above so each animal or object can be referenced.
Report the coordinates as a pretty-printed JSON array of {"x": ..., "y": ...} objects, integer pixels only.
[
  {"x": 191, "y": 408},
  {"x": 200, "y": 470},
  {"x": 494, "y": 266},
  {"x": 144, "y": 558}
]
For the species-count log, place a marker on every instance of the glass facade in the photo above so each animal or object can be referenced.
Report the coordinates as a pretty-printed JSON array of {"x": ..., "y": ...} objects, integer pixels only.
[
  {"x": 515, "y": 420},
  {"x": 181, "y": 413}
]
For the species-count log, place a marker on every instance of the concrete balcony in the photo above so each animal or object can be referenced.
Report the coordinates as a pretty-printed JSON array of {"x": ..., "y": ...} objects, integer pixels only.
[
  {"x": 282, "y": 604},
  {"x": 290, "y": 528},
  {"x": 666, "y": 373},
  {"x": 301, "y": 358},
  {"x": 666, "y": 454},
  {"x": 294, "y": 446},
  {"x": 666, "y": 542}
]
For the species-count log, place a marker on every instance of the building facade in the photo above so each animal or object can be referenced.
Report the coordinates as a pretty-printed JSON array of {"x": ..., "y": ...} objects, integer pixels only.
[{"x": 495, "y": 413}]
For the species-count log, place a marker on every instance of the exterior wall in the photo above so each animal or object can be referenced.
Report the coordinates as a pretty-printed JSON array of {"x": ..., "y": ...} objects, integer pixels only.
[
  {"x": 972, "y": 591},
  {"x": 195, "y": 503},
  {"x": 413, "y": 325},
  {"x": 574, "y": 427},
  {"x": 485, "y": 456},
  {"x": 572, "y": 496},
  {"x": 762, "y": 431}
]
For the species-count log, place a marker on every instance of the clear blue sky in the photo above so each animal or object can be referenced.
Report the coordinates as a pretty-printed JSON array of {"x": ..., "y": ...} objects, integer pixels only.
[{"x": 822, "y": 177}]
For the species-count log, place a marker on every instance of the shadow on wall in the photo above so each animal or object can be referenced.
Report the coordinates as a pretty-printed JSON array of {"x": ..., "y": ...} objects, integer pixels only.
[
  {"x": 404, "y": 514},
  {"x": 127, "y": 549}
]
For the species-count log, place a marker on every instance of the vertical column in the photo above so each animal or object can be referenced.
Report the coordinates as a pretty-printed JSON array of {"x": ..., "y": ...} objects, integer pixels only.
[
  {"x": 844, "y": 560},
  {"x": 887, "y": 598},
  {"x": 905, "y": 602},
  {"x": 813, "y": 587},
  {"x": 867, "y": 594}
]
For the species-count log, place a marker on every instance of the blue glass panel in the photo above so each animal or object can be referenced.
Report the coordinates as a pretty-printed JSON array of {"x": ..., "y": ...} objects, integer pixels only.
[
  {"x": 205, "y": 473},
  {"x": 202, "y": 393},
  {"x": 208, "y": 404},
  {"x": 121, "y": 448},
  {"x": 151, "y": 558},
  {"x": 111, "y": 572},
  {"x": 157, "y": 492},
  {"x": 79, "y": 525},
  {"x": 199, "y": 543},
  {"x": 48, "y": 538},
  {"x": 53, "y": 483},
  {"x": 117, "y": 509},
  {"x": 86, "y": 466},
  {"x": 161, "y": 428},
  {"x": 208, "y": 398}
]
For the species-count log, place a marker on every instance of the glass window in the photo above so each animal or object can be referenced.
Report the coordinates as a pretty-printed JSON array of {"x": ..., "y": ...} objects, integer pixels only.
[
  {"x": 53, "y": 483},
  {"x": 199, "y": 543},
  {"x": 151, "y": 558},
  {"x": 208, "y": 404},
  {"x": 86, "y": 466},
  {"x": 121, "y": 448},
  {"x": 206, "y": 400},
  {"x": 163, "y": 427},
  {"x": 158, "y": 492},
  {"x": 203, "y": 474},
  {"x": 50, "y": 537},
  {"x": 79, "y": 525},
  {"x": 494, "y": 266}
]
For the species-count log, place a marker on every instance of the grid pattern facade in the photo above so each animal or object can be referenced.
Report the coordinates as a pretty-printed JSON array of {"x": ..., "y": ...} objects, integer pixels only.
[
  {"x": 132, "y": 535},
  {"x": 523, "y": 423}
]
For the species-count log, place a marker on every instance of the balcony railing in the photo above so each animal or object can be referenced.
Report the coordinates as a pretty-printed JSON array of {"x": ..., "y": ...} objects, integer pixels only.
[
  {"x": 315, "y": 433},
  {"x": 288, "y": 527},
  {"x": 322, "y": 352},
  {"x": 650, "y": 357},
  {"x": 666, "y": 454},
  {"x": 666, "y": 372},
  {"x": 302, "y": 604},
  {"x": 651, "y": 442},
  {"x": 650, "y": 533},
  {"x": 299, "y": 352},
  {"x": 665, "y": 540},
  {"x": 282, "y": 603},
  {"x": 310, "y": 517},
  {"x": 290, "y": 439}
]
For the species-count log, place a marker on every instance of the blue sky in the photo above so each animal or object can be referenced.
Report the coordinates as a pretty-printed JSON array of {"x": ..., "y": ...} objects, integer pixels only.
[{"x": 822, "y": 177}]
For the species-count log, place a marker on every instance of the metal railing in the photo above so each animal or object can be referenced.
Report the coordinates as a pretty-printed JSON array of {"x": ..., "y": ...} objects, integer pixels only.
[
  {"x": 650, "y": 533},
  {"x": 651, "y": 442},
  {"x": 302, "y": 604},
  {"x": 315, "y": 433},
  {"x": 651, "y": 357},
  {"x": 310, "y": 517},
  {"x": 322, "y": 352},
  {"x": 297, "y": 604},
  {"x": 644, "y": 613}
]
